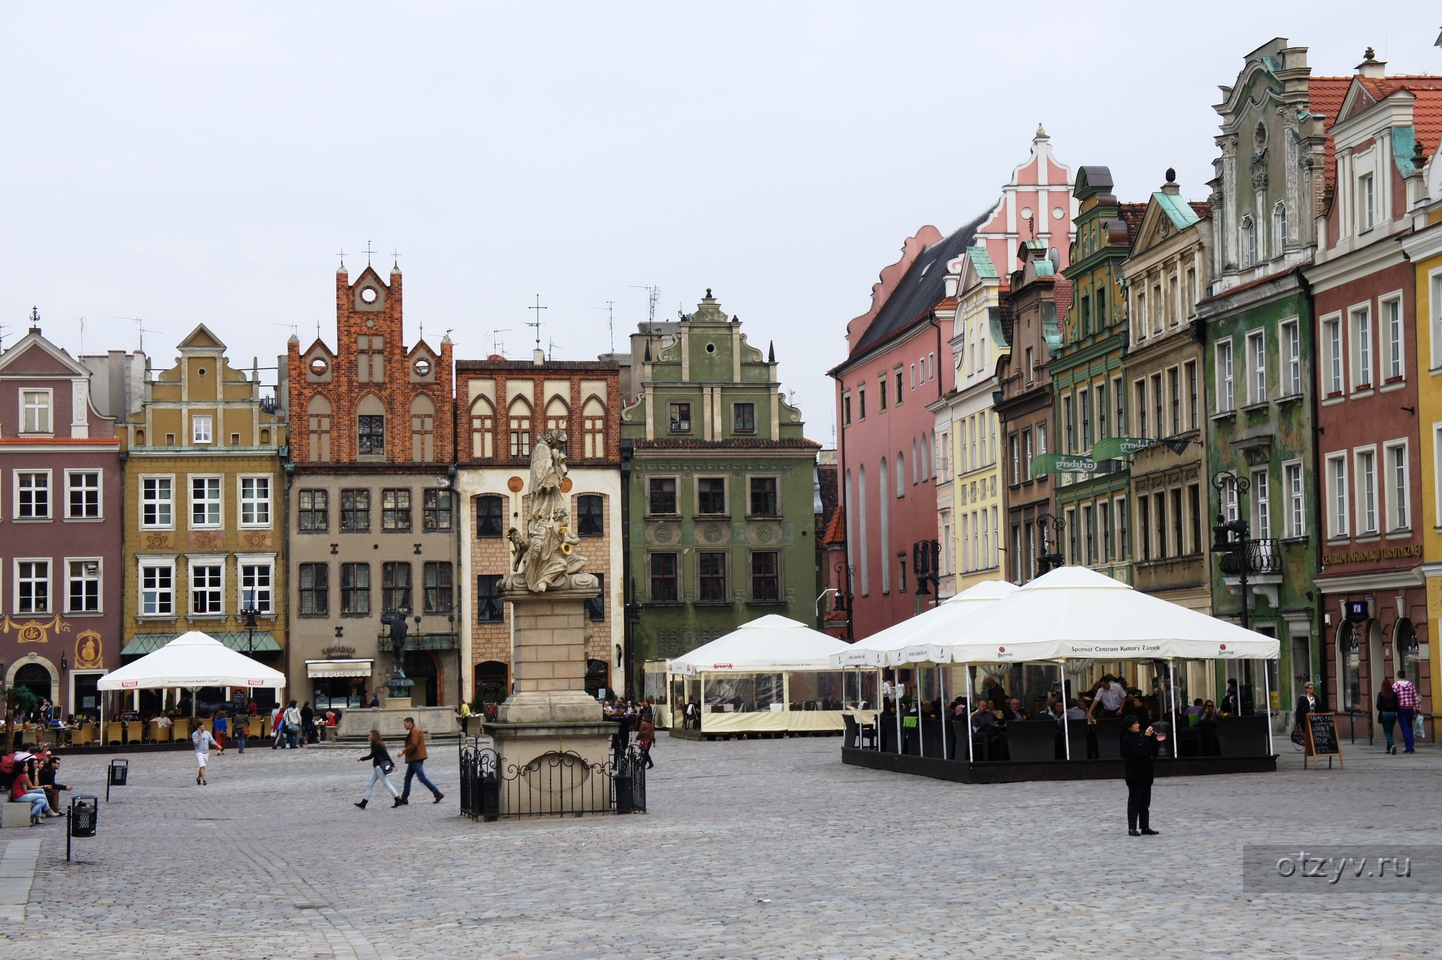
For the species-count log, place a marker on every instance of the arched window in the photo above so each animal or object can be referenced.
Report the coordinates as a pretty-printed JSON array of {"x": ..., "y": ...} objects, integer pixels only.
[
  {"x": 371, "y": 427},
  {"x": 558, "y": 415},
  {"x": 915, "y": 461},
  {"x": 593, "y": 429},
  {"x": 1249, "y": 242},
  {"x": 423, "y": 430},
  {"x": 519, "y": 416},
  {"x": 1349, "y": 672},
  {"x": 884, "y": 504},
  {"x": 1279, "y": 228},
  {"x": 861, "y": 514},
  {"x": 483, "y": 429},
  {"x": 493, "y": 682},
  {"x": 318, "y": 418}
]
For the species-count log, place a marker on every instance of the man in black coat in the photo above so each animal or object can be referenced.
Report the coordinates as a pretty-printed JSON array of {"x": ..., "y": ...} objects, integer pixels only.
[{"x": 1139, "y": 749}]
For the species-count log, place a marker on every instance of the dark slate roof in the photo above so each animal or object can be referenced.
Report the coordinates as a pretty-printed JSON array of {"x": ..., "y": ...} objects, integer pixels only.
[
  {"x": 1133, "y": 214},
  {"x": 734, "y": 443},
  {"x": 922, "y": 288}
]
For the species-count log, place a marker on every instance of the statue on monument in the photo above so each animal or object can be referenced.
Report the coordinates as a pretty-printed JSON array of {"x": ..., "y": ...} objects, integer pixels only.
[{"x": 545, "y": 557}]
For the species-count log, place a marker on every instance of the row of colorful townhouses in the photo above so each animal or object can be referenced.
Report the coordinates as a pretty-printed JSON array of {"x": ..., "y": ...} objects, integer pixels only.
[
  {"x": 379, "y": 479},
  {"x": 1226, "y": 402}
]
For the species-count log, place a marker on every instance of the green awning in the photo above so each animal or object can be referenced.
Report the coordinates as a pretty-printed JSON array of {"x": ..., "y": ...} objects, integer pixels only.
[{"x": 143, "y": 643}]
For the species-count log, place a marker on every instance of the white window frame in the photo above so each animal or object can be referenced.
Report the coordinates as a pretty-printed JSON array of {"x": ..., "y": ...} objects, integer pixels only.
[
  {"x": 193, "y": 589},
  {"x": 1368, "y": 519},
  {"x": 202, "y": 429},
  {"x": 1434, "y": 286},
  {"x": 1257, "y": 366},
  {"x": 48, "y": 580},
  {"x": 1294, "y": 478},
  {"x": 1289, "y": 346},
  {"x": 166, "y": 503},
  {"x": 1249, "y": 241},
  {"x": 1367, "y": 201},
  {"x": 1396, "y": 359},
  {"x": 1398, "y": 485},
  {"x": 1332, "y": 355},
  {"x": 1226, "y": 377},
  {"x": 192, "y": 502},
  {"x": 156, "y": 563},
  {"x": 1339, "y": 508},
  {"x": 1261, "y": 524},
  {"x": 1359, "y": 323},
  {"x": 1279, "y": 228},
  {"x": 45, "y": 406},
  {"x": 1437, "y": 472},
  {"x": 98, "y": 580},
  {"x": 264, "y": 599},
  {"x": 70, "y": 486},
  {"x": 49, "y": 513},
  {"x": 254, "y": 503}
]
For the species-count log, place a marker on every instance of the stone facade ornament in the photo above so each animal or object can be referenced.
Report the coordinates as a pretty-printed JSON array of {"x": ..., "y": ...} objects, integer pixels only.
[{"x": 545, "y": 557}]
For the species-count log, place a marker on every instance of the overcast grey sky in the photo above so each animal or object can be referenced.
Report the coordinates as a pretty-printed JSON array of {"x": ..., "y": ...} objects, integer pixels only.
[{"x": 191, "y": 163}]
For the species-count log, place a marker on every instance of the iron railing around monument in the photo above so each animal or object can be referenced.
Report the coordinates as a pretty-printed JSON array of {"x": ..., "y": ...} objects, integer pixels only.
[{"x": 556, "y": 784}]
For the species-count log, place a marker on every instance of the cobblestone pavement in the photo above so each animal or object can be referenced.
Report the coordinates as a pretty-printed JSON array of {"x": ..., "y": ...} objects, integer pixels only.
[{"x": 751, "y": 850}]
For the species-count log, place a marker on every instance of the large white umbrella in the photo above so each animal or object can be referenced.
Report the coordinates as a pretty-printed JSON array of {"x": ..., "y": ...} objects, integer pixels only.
[
  {"x": 770, "y": 644},
  {"x": 913, "y": 640},
  {"x": 193, "y": 660}
]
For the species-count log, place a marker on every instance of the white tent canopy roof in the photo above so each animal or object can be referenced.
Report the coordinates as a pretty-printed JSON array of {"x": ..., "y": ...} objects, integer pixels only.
[
  {"x": 770, "y": 644},
  {"x": 1073, "y": 612},
  {"x": 909, "y": 641},
  {"x": 193, "y": 660}
]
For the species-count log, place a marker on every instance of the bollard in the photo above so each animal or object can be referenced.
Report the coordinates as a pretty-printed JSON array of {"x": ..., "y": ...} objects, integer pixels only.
[
  {"x": 81, "y": 819},
  {"x": 119, "y": 775},
  {"x": 490, "y": 798}
]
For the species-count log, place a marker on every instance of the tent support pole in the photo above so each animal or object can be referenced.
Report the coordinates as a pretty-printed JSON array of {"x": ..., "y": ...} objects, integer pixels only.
[
  {"x": 916, "y": 698},
  {"x": 1267, "y": 701},
  {"x": 1172, "y": 702},
  {"x": 896, "y": 696},
  {"x": 970, "y": 740},
  {"x": 1065, "y": 720},
  {"x": 941, "y": 688}
]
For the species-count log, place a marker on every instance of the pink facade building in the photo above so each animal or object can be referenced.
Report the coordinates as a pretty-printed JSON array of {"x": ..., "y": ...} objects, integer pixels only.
[
  {"x": 898, "y": 361},
  {"x": 60, "y": 527}
]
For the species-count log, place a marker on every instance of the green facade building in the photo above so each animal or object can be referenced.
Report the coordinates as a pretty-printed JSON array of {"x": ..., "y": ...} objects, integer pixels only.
[{"x": 719, "y": 491}]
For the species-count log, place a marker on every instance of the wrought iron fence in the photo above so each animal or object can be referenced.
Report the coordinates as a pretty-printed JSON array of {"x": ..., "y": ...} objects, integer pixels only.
[{"x": 552, "y": 785}]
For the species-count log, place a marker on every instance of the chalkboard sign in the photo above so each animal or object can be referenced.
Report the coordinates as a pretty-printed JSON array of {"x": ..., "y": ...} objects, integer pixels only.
[{"x": 1321, "y": 736}]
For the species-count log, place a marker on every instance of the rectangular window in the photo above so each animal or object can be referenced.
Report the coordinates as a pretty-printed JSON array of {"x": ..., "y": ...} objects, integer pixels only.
[
  {"x": 489, "y": 608},
  {"x": 1392, "y": 314},
  {"x": 35, "y": 411},
  {"x": 1226, "y": 395},
  {"x": 765, "y": 501},
  {"x": 1291, "y": 339},
  {"x": 355, "y": 511},
  {"x": 83, "y": 593},
  {"x": 83, "y": 495},
  {"x": 662, "y": 492},
  {"x": 1228, "y": 495},
  {"x": 396, "y": 587},
  {"x": 371, "y": 435},
  {"x": 1015, "y": 449},
  {"x": 681, "y": 417},
  {"x": 1101, "y": 392},
  {"x": 257, "y": 588},
  {"x": 1174, "y": 391},
  {"x": 314, "y": 589},
  {"x": 1261, "y": 505},
  {"x": 1332, "y": 340},
  {"x": 846, "y": 409},
  {"x": 1436, "y": 322},
  {"x": 255, "y": 501},
  {"x": 490, "y": 517},
  {"x": 711, "y": 578},
  {"x": 1084, "y": 408},
  {"x": 1068, "y": 425},
  {"x": 861, "y": 401},
  {"x": 711, "y": 495},
  {"x": 1140, "y": 406},
  {"x": 205, "y": 501},
  {"x": 396, "y": 511},
  {"x": 1367, "y": 201},
  {"x": 200, "y": 431},
  {"x": 880, "y": 395},
  {"x": 1340, "y": 513},
  {"x": 743, "y": 415},
  {"x": 1366, "y": 492},
  {"x": 355, "y": 589},
  {"x": 1362, "y": 349},
  {"x": 1124, "y": 542},
  {"x": 437, "y": 580},
  {"x": 157, "y": 590},
  {"x": 437, "y": 507},
  {"x": 32, "y": 495},
  {"x": 1175, "y": 515},
  {"x": 1295, "y": 479},
  {"x": 1104, "y": 522},
  {"x": 1158, "y": 405},
  {"x": 1159, "y": 513},
  {"x": 898, "y": 386},
  {"x": 1119, "y": 422},
  {"x": 590, "y": 516},
  {"x": 1089, "y": 548},
  {"x": 1194, "y": 496},
  {"x": 1257, "y": 365},
  {"x": 1399, "y": 489},
  {"x": 32, "y": 586},
  {"x": 206, "y": 589},
  {"x": 156, "y": 502},
  {"x": 1028, "y": 452},
  {"x": 313, "y": 508},
  {"x": 1144, "y": 524},
  {"x": 664, "y": 577},
  {"x": 765, "y": 576}
]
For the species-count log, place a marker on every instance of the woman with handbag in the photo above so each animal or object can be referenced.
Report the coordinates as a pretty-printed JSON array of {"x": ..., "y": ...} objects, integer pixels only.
[
  {"x": 381, "y": 766},
  {"x": 1387, "y": 709}
]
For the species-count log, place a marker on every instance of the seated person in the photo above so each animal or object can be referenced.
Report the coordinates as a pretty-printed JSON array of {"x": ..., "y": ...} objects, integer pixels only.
[
  {"x": 1195, "y": 709},
  {"x": 1138, "y": 709},
  {"x": 52, "y": 788},
  {"x": 1014, "y": 710},
  {"x": 1075, "y": 711}
]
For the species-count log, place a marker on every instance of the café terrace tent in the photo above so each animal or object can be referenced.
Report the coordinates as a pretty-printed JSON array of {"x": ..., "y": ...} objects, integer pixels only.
[
  {"x": 910, "y": 641},
  {"x": 191, "y": 660},
  {"x": 772, "y": 659}
]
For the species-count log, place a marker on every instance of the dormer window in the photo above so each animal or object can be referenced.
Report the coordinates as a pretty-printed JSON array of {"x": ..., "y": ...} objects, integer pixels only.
[
  {"x": 200, "y": 429},
  {"x": 1366, "y": 201},
  {"x": 35, "y": 408},
  {"x": 680, "y": 418}
]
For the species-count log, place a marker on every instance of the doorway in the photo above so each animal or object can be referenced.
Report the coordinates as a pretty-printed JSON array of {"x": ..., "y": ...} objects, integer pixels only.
[{"x": 420, "y": 666}]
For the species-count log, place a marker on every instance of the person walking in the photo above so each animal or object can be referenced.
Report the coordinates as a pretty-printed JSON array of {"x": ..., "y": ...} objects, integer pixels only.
[
  {"x": 646, "y": 739},
  {"x": 1139, "y": 749},
  {"x": 221, "y": 727},
  {"x": 292, "y": 724},
  {"x": 1406, "y": 709},
  {"x": 277, "y": 727},
  {"x": 414, "y": 754},
  {"x": 1387, "y": 710},
  {"x": 241, "y": 723},
  {"x": 381, "y": 766},
  {"x": 203, "y": 741},
  {"x": 307, "y": 724}
]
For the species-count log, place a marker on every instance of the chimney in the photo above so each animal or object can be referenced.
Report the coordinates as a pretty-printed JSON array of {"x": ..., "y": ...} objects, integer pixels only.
[{"x": 1371, "y": 67}]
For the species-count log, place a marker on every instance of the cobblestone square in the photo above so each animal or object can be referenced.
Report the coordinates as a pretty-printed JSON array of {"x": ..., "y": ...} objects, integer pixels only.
[{"x": 751, "y": 849}]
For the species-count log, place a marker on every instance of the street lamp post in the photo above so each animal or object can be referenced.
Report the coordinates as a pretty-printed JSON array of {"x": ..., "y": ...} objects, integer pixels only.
[
  {"x": 1049, "y": 561},
  {"x": 843, "y": 595},
  {"x": 925, "y": 557},
  {"x": 1231, "y": 537}
]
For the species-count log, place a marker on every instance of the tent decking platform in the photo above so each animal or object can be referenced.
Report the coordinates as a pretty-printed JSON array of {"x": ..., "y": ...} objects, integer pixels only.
[
  {"x": 681, "y": 734},
  {"x": 962, "y": 771}
]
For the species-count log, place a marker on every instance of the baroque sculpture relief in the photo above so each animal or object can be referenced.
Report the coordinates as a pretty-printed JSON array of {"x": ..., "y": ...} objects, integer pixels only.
[{"x": 545, "y": 557}]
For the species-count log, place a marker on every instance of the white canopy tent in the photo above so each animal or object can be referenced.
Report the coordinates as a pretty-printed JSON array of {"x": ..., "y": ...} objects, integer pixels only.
[
  {"x": 191, "y": 660},
  {"x": 910, "y": 640},
  {"x": 749, "y": 680}
]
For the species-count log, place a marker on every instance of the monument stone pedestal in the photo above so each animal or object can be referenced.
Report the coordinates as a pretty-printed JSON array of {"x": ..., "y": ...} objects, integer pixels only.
[{"x": 550, "y": 713}]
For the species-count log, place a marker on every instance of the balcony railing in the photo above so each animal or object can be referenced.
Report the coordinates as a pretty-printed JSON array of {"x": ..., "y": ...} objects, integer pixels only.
[{"x": 1263, "y": 557}]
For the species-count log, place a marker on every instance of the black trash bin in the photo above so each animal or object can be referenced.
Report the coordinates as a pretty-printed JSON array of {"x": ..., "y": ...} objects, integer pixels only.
[
  {"x": 119, "y": 774},
  {"x": 84, "y": 813},
  {"x": 490, "y": 798},
  {"x": 625, "y": 797}
]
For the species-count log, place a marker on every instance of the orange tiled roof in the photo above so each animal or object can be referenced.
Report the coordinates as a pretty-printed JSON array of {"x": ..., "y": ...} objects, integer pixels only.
[
  {"x": 1326, "y": 95},
  {"x": 836, "y": 530},
  {"x": 1132, "y": 213},
  {"x": 60, "y": 441}
]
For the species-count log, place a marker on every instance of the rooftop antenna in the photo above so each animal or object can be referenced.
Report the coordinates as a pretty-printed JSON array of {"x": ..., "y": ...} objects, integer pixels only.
[
  {"x": 140, "y": 328},
  {"x": 536, "y": 323},
  {"x": 294, "y": 330},
  {"x": 497, "y": 344},
  {"x": 610, "y": 309},
  {"x": 653, "y": 294},
  {"x": 551, "y": 346},
  {"x": 82, "y": 336}
]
